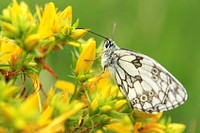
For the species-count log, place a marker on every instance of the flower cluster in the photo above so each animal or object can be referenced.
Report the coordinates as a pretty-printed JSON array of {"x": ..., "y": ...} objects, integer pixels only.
[{"x": 92, "y": 103}]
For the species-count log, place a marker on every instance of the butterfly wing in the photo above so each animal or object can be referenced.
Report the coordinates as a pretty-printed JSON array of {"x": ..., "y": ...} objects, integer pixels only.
[{"x": 148, "y": 86}]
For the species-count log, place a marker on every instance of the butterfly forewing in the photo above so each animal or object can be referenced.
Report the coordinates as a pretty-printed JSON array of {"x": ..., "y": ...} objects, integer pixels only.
[{"x": 148, "y": 86}]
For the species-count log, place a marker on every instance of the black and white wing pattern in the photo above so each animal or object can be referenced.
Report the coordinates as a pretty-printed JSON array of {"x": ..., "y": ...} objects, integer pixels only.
[{"x": 148, "y": 86}]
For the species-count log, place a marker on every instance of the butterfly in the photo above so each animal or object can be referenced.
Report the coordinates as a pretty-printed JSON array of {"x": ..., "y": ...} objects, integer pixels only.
[{"x": 147, "y": 85}]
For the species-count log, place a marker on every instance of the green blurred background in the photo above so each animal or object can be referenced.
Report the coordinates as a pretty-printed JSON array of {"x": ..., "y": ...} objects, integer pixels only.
[{"x": 166, "y": 30}]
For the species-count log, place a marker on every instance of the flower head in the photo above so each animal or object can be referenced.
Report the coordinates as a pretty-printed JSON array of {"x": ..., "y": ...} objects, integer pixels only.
[
  {"x": 86, "y": 57},
  {"x": 9, "y": 51}
]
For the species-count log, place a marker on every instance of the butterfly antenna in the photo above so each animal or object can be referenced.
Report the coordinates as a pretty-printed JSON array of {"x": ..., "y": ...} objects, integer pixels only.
[
  {"x": 97, "y": 34},
  {"x": 114, "y": 28}
]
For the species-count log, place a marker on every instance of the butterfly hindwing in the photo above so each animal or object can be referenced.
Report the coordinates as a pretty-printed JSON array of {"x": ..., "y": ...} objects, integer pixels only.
[{"x": 148, "y": 86}]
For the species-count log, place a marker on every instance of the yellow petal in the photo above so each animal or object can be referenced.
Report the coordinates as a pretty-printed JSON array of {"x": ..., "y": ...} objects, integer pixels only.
[
  {"x": 137, "y": 126},
  {"x": 62, "y": 19},
  {"x": 8, "y": 112},
  {"x": 45, "y": 116},
  {"x": 176, "y": 127},
  {"x": 49, "y": 98},
  {"x": 105, "y": 109},
  {"x": 30, "y": 104},
  {"x": 121, "y": 125},
  {"x": 31, "y": 41},
  {"x": 10, "y": 28},
  {"x": 94, "y": 104},
  {"x": 138, "y": 115},
  {"x": 65, "y": 85},
  {"x": 64, "y": 116},
  {"x": 118, "y": 128},
  {"x": 9, "y": 51},
  {"x": 47, "y": 21},
  {"x": 119, "y": 105},
  {"x": 86, "y": 58}
]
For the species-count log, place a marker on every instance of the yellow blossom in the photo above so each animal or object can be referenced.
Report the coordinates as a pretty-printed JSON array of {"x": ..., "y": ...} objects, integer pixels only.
[
  {"x": 138, "y": 115},
  {"x": 20, "y": 20},
  {"x": 63, "y": 117},
  {"x": 153, "y": 127},
  {"x": 31, "y": 41},
  {"x": 94, "y": 104},
  {"x": 36, "y": 83},
  {"x": 45, "y": 117},
  {"x": 10, "y": 28},
  {"x": 77, "y": 34},
  {"x": 52, "y": 22},
  {"x": 99, "y": 131},
  {"x": 65, "y": 85},
  {"x": 123, "y": 125},
  {"x": 8, "y": 112},
  {"x": 137, "y": 127},
  {"x": 9, "y": 51},
  {"x": 150, "y": 125},
  {"x": 63, "y": 19},
  {"x": 86, "y": 58},
  {"x": 47, "y": 21},
  {"x": 105, "y": 109},
  {"x": 176, "y": 127},
  {"x": 49, "y": 98},
  {"x": 104, "y": 85},
  {"x": 119, "y": 104},
  {"x": 30, "y": 104}
]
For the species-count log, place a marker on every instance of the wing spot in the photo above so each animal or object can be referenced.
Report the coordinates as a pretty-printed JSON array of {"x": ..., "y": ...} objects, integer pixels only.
[
  {"x": 135, "y": 101},
  {"x": 154, "y": 77},
  {"x": 143, "y": 98},
  {"x": 151, "y": 93},
  {"x": 136, "y": 62},
  {"x": 155, "y": 71},
  {"x": 138, "y": 78}
]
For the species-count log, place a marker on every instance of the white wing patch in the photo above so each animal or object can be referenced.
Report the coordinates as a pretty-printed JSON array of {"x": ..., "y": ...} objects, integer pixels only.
[{"x": 148, "y": 86}]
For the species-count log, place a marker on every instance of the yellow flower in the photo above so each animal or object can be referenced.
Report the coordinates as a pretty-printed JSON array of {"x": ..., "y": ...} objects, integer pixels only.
[
  {"x": 105, "y": 109},
  {"x": 65, "y": 85},
  {"x": 31, "y": 41},
  {"x": 103, "y": 84},
  {"x": 150, "y": 125},
  {"x": 36, "y": 83},
  {"x": 19, "y": 20},
  {"x": 138, "y": 115},
  {"x": 77, "y": 106},
  {"x": 77, "y": 34},
  {"x": 47, "y": 21},
  {"x": 123, "y": 125},
  {"x": 45, "y": 117},
  {"x": 30, "y": 105},
  {"x": 175, "y": 127},
  {"x": 9, "y": 51},
  {"x": 94, "y": 104},
  {"x": 8, "y": 112},
  {"x": 52, "y": 22},
  {"x": 86, "y": 57},
  {"x": 49, "y": 98},
  {"x": 119, "y": 104}
]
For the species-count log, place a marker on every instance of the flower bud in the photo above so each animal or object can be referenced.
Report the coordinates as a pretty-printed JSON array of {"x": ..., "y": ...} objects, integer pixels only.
[
  {"x": 94, "y": 104},
  {"x": 31, "y": 41},
  {"x": 119, "y": 105},
  {"x": 78, "y": 33},
  {"x": 105, "y": 109}
]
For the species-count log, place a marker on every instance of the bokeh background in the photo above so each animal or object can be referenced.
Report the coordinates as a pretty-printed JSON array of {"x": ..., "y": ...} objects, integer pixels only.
[{"x": 166, "y": 30}]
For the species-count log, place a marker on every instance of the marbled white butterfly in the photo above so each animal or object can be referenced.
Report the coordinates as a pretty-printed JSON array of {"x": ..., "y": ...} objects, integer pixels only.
[{"x": 147, "y": 85}]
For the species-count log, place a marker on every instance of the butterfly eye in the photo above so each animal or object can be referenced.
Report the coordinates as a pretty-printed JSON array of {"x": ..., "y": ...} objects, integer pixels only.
[{"x": 107, "y": 45}]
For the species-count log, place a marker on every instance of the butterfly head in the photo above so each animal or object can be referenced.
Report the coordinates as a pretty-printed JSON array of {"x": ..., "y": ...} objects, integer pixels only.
[{"x": 109, "y": 45}]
